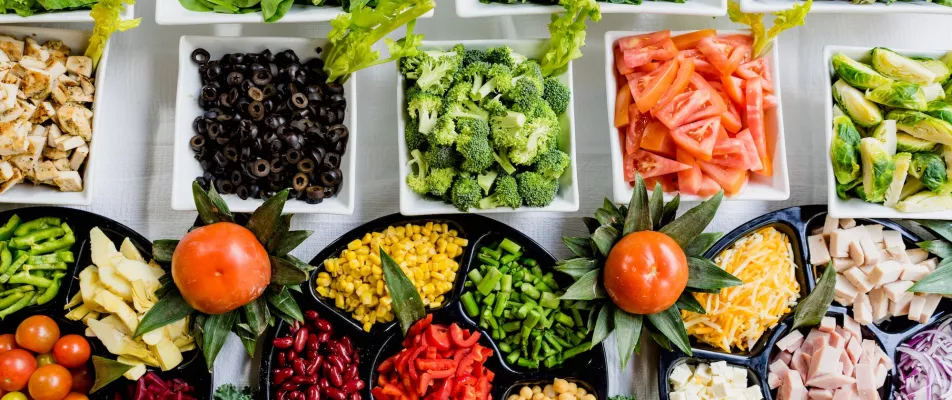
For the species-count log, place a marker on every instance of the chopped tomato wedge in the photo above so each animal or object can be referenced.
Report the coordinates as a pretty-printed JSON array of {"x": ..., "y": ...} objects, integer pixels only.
[
  {"x": 726, "y": 55},
  {"x": 691, "y": 106},
  {"x": 730, "y": 120},
  {"x": 622, "y": 100},
  {"x": 728, "y": 145},
  {"x": 668, "y": 183},
  {"x": 642, "y": 49},
  {"x": 739, "y": 38},
  {"x": 685, "y": 72},
  {"x": 639, "y": 41},
  {"x": 755, "y": 123},
  {"x": 732, "y": 159},
  {"x": 770, "y": 102},
  {"x": 709, "y": 187},
  {"x": 757, "y": 68},
  {"x": 731, "y": 180},
  {"x": 701, "y": 65},
  {"x": 698, "y": 138},
  {"x": 750, "y": 149},
  {"x": 620, "y": 62},
  {"x": 648, "y": 89},
  {"x": 636, "y": 130},
  {"x": 689, "y": 180},
  {"x": 733, "y": 87},
  {"x": 690, "y": 40},
  {"x": 657, "y": 139},
  {"x": 649, "y": 165},
  {"x": 648, "y": 67}
]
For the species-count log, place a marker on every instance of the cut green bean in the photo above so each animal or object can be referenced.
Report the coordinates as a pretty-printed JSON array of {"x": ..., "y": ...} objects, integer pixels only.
[
  {"x": 51, "y": 291},
  {"x": 19, "y": 305},
  {"x": 489, "y": 281},
  {"x": 469, "y": 304},
  {"x": 25, "y": 278},
  {"x": 58, "y": 266},
  {"x": 475, "y": 276},
  {"x": 510, "y": 246},
  {"x": 31, "y": 239},
  {"x": 62, "y": 243},
  {"x": 12, "y": 299},
  {"x": 35, "y": 225},
  {"x": 549, "y": 300},
  {"x": 488, "y": 260},
  {"x": 9, "y": 228},
  {"x": 504, "y": 347}
]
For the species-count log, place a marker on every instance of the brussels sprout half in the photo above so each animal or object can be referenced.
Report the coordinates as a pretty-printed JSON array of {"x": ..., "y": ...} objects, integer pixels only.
[
  {"x": 845, "y": 191},
  {"x": 886, "y": 132},
  {"x": 878, "y": 168},
  {"x": 947, "y": 155},
  {"x": 922, "y": 126},
  {"x": 911, "y": 187},
  {"x": 941, "y": 71},
  {"x": 940, "y": 110},
  {"x": 906, "y": 143},
  {"x": 843, "y": 150},
  {"x": 894, "y": 193},
  {"x": 896, "y": 66},
  {"x": 857, "y": 74},
  {"x": 899, "y": 94},
  {"x": 925, "y": 202},
  {"x": 851, "y": 100},
  {"x": 933, "y": 92},
  {"x": 929, "y": 168}
]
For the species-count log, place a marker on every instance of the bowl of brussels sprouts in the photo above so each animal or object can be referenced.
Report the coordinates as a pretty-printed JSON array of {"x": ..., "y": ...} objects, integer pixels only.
[{"x": 889, "y": 132}]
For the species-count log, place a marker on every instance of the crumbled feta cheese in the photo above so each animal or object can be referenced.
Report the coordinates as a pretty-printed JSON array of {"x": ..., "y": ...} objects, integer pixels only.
[{"x": 714, "y": 381}]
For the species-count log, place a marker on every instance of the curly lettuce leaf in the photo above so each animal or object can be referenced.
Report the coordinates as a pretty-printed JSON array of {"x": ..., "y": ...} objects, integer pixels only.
[
  {"x": 107, "y": 19},
  {"x": 783, "y": 20},
  {"x": 567, "y": 32}
]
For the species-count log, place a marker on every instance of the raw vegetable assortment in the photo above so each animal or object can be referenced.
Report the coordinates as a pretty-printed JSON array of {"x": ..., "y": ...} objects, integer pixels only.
[
  {"x": 892, "y": 130},
  {"x": 40, "y": 362},
  {"x": 271, "y": 10},
  {"x": 427, "y": 254},
  {"x": 737, "y": 317},
  {"x": 712, "y": 381},
  {"x": 690, "y": 111},
  {"x": 34, "y": 258},
  {"x": 483, "y": 128},
  {"x": 833, "y": 361},
  {"x": 510, "y": 297},
  {"x": 28, "y": 8},
  {"x": 438, "y": 361},
  {"x": 559, "y": 389},
  {"x": 924, "y": 362}
]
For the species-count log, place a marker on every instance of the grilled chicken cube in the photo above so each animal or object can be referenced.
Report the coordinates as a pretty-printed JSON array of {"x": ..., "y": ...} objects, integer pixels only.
[
  {"x": 53, "y": 153},
  {"x": 52, "y": 134},
  {"x": 79, "y": 155},
  {"x": 74, "y": 119},
  {"x": 62, "y": 164},
  {"x": 36, "y": 83},
  {"x": 59, "y": 52},
  {"x": 69, "y": 142},
  {"x": 33, "y": 49},
  {"x": 69, "y": 181},
  {"x": 44, "y": 111},
  {"x": 45, "y": 171},
  {"x": 6, "y": 170},
  {"x": 12, "y": 47},
  {"x": 80, "y": 65},
  {"x": 9, "y": 183}
]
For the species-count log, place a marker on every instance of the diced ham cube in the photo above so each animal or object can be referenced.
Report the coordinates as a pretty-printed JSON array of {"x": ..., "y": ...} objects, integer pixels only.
[
  {"x": 829, "y": 225},
  {"x": 779, "y": 367},
  {"x": 856, "y": 253},
  {"x": 932, "y": 301},
  {"x": 792, "y": 388},
  {"x": 844, "y": 334},
  {"x": 827, "y": 324},
  {"x": 854, "y": 349},
  {"x": 842, "y": 264},
  {"x": 881, "y": 372},
  {"x": 859, "y": 280},
  {"x": 870, "y": 251},
  {"x": 863, "y": 310},
  {"x": 785, "y": 356},
  {"x": 830, "y": 381},
  {"x": 791, "y": 342},
  {"x": 930, "y": 264},
  {"x": 917, "y": 255},
  {"x": 845, "y": 393},
  {"x": 879, "y": 304},
  {"x": 900, "y": 307},
  {"x": 893, "y": 239},
  {"x": 885, "y": 272},
  {"x": 774, "y": 381},
  {"x": 895, "y": 290},
  {"x": 840, "y": 240},
  {"x": 820, "y": 394},
  {"x": 837, "y": 341},
  {"x": 871, "y": 353},
  {"x": 846, "y": 363},
  {"x": 799, "y": 364},
  {"x": 847, "y": 223},
  {"x": 824, "y": 362},
  {"x": 819, "y": 252},
  {"x": 866, "y": 382},
  {"x": 916, "y": 307},
  {"x": 853, "y": 327},
  {"x": 875, "y": 232}
]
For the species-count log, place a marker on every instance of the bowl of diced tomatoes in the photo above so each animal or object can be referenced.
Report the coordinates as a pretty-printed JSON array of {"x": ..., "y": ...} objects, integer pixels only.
[{"x": 694, "y": 112}]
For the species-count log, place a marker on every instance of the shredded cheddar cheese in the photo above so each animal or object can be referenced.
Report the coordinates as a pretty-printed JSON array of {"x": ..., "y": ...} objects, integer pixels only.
[{"x": 738, "y": 316}]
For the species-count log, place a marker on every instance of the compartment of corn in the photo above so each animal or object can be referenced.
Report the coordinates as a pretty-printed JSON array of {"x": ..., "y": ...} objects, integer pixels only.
[{"x": 428, "y": 255}]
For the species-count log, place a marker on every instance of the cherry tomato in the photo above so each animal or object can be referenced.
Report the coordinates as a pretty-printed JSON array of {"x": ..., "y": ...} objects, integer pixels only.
[
  {"x": 7, "y": 342},
  {"x": 45, "y": 359},
  {"x": 645, "y": 272},
  {"x": 38, "y": 334},
  {"x": 50, "y": 382},
  {"x": 14, "y": 396},
  {"x": 75, "y": 396},
  {"x": 71, "y": 351},
  {"x": 16, "y": 366},
  {"x": 83, "y": 379}
]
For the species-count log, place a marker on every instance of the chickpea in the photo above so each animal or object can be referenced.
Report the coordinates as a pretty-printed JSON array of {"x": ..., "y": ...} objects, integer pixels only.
[
  {"x": 514, "y": 397},
  {"x": 588, "y": 397},
  {"x": 560, "y": 385},
  {"x": 538, "y": 396},
  {"x": 525, "y": 392},
  {"x": 573, "y": 387},
  {"x": 581, "y": 392},
  {"x": 567, "y": 396},
  {"x": 549, "y": 391},
  {"x": 536, "y": 389}
]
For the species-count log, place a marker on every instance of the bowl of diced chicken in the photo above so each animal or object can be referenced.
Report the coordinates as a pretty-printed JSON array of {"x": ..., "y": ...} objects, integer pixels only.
[{"x": 48, "y": 90}]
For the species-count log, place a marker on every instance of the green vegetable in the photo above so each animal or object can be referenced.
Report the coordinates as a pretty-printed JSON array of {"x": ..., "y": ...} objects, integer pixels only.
[
  {"x": 857, "y": 74},
  {"x": 811, "y": 310},
  {"x": 922, "y": 126},
  {"x": 855, "y": 105},
  {"x": 911, "y": 144},
  {"x": 506, "y": 194},
  {"x": 535, "y": 189},
  {"x": 940, "y": 110},
  {"x": 898, "y": 94},
  {"x": 899, "y": 67},
  {"x": 33, "y": 276},
  {"x": 930, "y": 169},
  {"x": 465, "y": 193},
  {"x": 885, "y": 132},
  {"x": 939, "y": 68},
  {"x": 556, "y": 94},
  {"x": 894, "y": 193},
  {"x": 567, "y": 34},
  {"x": 107, "y": 20},
  {"x": 878, "y": 169},
  {"x": 933, "y": 92},
  {"x": 231, "y": 392},
  {"x": 783, "y": 20},
  {"x": 407, "y": 304},
  {"x": 844, "y": 150},
  {"x": 926, "y": 201}
]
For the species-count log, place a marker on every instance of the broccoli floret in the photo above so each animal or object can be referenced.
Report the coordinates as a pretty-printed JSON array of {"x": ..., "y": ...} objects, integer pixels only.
[
  {"x": 524, "y": 95},
  {"x": 459, "y": 92},
  {"x": 473, "y": 144},
  {"x": 417, "y": 180},
  {"x": 506, "y": 130},
  {"x": 494, "y": 106},
  {"x": 441, "y": 157},
  {"x": 426, "y": 107},
  {"x": 539, "y": 134},
  {"x": 473, "y": 56},
  {"x": 444, "y": 132},
  {"x": 498, "y": 80},
  {"x": 465, "y": 109},
  {"x": 502, "y": 158},
  {"x": 437, "y": 73},
  {"x": 552, "y": 163},
  {"x": 505, "y": 56},
  {"x": 440, "y": 180},
  {"x": 475, "y": 75},
  {"x": 530, "y": 71},
  {"x": 556, "y": 94},
  {"x": 505, "y": 195},
  {"x": 409, "y": 66},
  {"x": 536, "y": 190},
  {"x": 415, "y": 140},
  {"x": 465, "y": 193},
  {"x": 486, "y": 179}
]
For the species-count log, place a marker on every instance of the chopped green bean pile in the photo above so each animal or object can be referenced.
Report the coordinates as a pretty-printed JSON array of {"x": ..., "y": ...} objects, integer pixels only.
[
  {"x": 519, "y": 305},
  {"x": 33, "y": 258}
]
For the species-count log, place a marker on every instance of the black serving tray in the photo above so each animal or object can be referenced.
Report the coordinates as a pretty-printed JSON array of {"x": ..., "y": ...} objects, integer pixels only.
[
  {"x": 797, "y": 223},
  {"x": 192, "y": 368},
  {"x": 588, "y": 370}
]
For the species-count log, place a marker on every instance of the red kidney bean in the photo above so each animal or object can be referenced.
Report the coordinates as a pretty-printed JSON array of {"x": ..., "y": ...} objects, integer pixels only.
[
  {"x": 312, "y": 343},
  {"x": 311, "y": 368},
  {"x": 295, "y": 395},
  {"x": 311, "y": 354},
  {"x": 352, "y": 386},
  {"x": 294, "y": 327},
  {"x": 310, "y": 315},
  {"x": 282, "y": 360},
  {"x": 354, "y": 396},
  {"x": 298, "y": 366},
  {"x": 282, "y": 342},
  {"x": 333, "y": 375},
  {"x": 300, "y": 339},
  {"x": 304, "y": 380},
  {"x": 340, "y": 350},
  {"x": 348, "y": 344},
  {"x": 290, "y": 386},
  {"x": 281, "y": 375},
  {"x": 322, "y": 325},
  {"x": 323, "y": 383},
  {"x": 323, "y": 337},
  {"x": 291, "y": 356},
  {"x": 350, "y": 373},
  {"x": 282, "y": 395},
  {"x": 334, "y": 394},
  {"x": 313, "y": 393},
  {"x": 336, "y": 361}
]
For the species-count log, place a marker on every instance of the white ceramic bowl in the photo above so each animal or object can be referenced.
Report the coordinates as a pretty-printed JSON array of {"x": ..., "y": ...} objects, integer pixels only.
[
  {"x": 26, "y": 192},
  {"x": 171, "y": 12},
  {"x": 185, "y": 167},
  {"x": 566, "y": 200},
  {"x": 62, "y": 16},
  {"x": 473, "y": 8},
  {"x": 856, "y": 208},
  {"x": 775, "y": 188},
  {"x": 846, "y": 7}
]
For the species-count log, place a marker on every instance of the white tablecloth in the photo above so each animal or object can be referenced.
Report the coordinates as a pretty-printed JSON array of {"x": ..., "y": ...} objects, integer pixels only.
[{"x": 133, "y": 185}]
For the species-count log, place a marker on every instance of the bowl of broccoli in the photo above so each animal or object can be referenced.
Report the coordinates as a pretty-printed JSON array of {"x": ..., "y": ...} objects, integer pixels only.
[{"x": 482, "y": 130}]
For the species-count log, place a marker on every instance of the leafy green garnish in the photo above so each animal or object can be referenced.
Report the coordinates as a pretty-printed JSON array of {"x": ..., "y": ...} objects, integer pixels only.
[
  {"x": 567, "y": 33},
  {"x": 106, "y": 15},
  {"x": 353, "y": 35},
  {"x": 812, "y": 308},
  {"x": 107, "y": 371},
  {"x": 763, "y": 38},
  {"x": 231, "y": 392},
  {"x": 407, "y": 304}
]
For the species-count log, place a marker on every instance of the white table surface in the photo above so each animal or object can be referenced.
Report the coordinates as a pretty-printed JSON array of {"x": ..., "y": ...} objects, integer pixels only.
[{"x": 133, "y": 185}]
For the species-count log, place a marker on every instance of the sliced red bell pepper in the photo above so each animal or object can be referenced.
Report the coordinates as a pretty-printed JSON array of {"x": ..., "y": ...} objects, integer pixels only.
[
  {"x": 417, "y": 328},
  {"x": 482, "y": 389},
  {"x": 438, "y": 365},
  {"x": 437, "y": 338},
  {"x": 456, "y": 334}
]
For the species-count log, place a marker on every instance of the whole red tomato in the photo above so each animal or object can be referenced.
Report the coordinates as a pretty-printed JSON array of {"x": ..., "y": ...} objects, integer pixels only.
[
  {"x": 76, "y": 396},
  {"x": 16, "y": 366},
  {"x": 645, "y": 272},
  {"x": 38, "y": 334},
  {"x": 50, "y": 382},
  {"x": 71, "y": 351},
  {"x": 220, "y": 267},
  {"x": 7, "y": 342},
  {"x": 82, "y": 379}
]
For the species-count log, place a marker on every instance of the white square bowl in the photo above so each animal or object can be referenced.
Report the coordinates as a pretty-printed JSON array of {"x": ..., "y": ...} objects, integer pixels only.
[
  {"x": 856, "y": 208},
  {"x": 566, "y": 200},
  {"x": 27, "y": 193},
  {"x": 79, "y": 16},
  {"x": 171, "y": 12},
  {"x": 713, "y": 8},
  {"x": 846, "y": 7},
  {"x": 185, "y": 168},
  {"x": 775, "y": 188}
]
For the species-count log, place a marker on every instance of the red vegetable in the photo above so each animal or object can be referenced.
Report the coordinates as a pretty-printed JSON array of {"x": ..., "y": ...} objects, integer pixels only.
[
  {"x": 151, "y": 387},
  {"x": 437, "y": 363}
]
